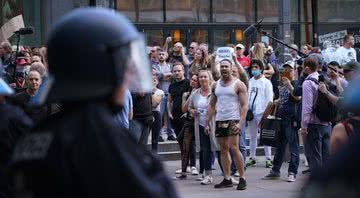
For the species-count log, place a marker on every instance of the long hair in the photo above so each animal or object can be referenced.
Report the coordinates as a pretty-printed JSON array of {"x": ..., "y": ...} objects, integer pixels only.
[{"x": 259, "y": 51}]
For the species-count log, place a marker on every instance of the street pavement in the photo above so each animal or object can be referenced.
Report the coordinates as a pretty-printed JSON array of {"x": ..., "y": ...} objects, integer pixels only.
[{"x": 256, "y": 187}]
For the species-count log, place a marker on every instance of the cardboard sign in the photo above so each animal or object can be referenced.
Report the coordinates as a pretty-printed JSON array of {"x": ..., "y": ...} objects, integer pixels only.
[
  {"x": 8, "y": 29},
  {"x": 224, "y": 53},
  {"x": 334, "y": 37}
]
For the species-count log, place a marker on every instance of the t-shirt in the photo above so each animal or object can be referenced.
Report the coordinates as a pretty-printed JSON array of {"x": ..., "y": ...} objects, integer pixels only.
[
  {"x": 176, "y": 91},
  {"x": 345, "y": 55},
  {"x": 244, "y": 61},
  {"x": 265, "y": 94},
  {"x": 158, "y": 92},
  {"x": 286, "y": 109},
  {"x": 123, "y": 116},
  {"x": 202, "y": 109}
]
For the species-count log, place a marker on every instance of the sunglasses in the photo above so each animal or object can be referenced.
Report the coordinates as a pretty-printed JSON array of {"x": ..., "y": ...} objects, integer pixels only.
[{"x": 177, "y": 46}]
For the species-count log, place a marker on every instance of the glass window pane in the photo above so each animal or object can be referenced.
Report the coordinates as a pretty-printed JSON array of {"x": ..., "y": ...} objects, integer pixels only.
[
  {"x": 187, "y": 10},
  {"x": 200, "y": 36},
  {"x": 233, "y": 11},
  {"x": 294, "y": 10},
  {"x": 154, "y": 37},
  {"x": 338, "y": 10},
  {"x": 269, "y": 10},
  {"x": 142, "y": 10},
  {"x": 221, "y": 38},
  {"x": 177, "y": 36}
]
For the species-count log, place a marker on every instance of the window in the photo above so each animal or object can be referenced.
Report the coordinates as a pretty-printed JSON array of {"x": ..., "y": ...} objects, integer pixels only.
[
  {"x": 268, "y": 9},
  {"x": 187, "y": 10},
  {"x": 141, "y": 10},
  {"x": 221, "y": 38},
  {"x": 233, "y": 11},
  {"x": 154, "y": 37},
  {"x": 199, "y": 36},
  {"x": 338, "y": 10}
]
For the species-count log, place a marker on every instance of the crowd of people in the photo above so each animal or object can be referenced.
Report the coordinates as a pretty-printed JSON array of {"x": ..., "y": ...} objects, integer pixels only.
[{"x": 208, "y": 106}]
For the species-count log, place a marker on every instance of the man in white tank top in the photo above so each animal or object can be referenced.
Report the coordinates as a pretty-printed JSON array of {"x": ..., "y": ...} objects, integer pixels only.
[{"x": 229, "y": 102}]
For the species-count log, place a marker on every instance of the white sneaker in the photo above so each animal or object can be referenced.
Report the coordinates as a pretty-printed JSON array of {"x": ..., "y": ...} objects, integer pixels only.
[
  {"x": 291, "y": 178},
  {"x": 306, "y": 163},
  {"x": 207, "y": 180},
  {"x": 234, "y": 181},
  {"x": 179, "y": 171},
  {"x": 237, "y": 174},
  {"x": 194, "y": 171},
  {"x": 200, "y": 178}
]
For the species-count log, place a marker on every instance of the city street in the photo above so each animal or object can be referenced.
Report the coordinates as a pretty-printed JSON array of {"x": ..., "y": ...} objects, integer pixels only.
[{"x": 190, "y": 188}]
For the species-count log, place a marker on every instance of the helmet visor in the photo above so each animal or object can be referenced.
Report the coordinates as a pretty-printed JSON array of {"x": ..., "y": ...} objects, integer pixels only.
[{"x": 138, "y": 74}]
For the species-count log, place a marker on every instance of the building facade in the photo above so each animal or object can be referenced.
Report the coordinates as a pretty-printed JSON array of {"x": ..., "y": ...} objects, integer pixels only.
[{"x": 217, "y": 22}]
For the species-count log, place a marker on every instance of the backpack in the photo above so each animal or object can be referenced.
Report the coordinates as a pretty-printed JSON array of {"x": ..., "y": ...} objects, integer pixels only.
[{"x": 323, "y": 108}]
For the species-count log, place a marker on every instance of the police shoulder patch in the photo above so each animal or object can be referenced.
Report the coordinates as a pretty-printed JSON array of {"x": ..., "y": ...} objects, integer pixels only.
[{"x": 33, "y": 147}]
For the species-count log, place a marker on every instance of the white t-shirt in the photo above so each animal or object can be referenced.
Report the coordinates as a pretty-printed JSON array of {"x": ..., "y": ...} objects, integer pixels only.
[
  {"x": 158, "y": 92},
  {"x": 345, "y": 55},
  {"x": 265, "y": 94},
  {"x": 202, "y": 109}
]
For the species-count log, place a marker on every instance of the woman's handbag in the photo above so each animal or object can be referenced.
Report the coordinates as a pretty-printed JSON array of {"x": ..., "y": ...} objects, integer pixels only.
[
  {"x": 250, "y": 114},
  {"x": 270, "y": 130}
]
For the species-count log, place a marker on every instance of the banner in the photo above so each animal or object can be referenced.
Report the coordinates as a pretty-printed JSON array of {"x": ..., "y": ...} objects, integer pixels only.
[{"x": 8, "y": 29}]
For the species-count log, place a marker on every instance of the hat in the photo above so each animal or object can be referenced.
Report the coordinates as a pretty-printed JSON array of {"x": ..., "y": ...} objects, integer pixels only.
[
  {"x": 240, "y": 46},
  {"x": 352, "y": 65},
  {"x": 21, "y": 61},
  {"x": 5, "y": 90},
  {"x": 289, "y": 63}
]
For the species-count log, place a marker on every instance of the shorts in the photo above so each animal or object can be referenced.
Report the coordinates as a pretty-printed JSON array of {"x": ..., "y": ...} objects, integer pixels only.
[{"x": 224, "y": 128}]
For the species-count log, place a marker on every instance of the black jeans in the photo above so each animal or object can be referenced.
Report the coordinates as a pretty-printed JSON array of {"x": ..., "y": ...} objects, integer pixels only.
[
  {"x": 178, "y": 124},
  {"x": 288, "y": 134},
  {"x": 317, "y": 145},
  {"x": 205, "y": 147},
  {"x": 155, "y": 131}
]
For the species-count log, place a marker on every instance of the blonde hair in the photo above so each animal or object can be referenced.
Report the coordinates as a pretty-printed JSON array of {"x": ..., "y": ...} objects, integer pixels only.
[
  {"x": 259, "y": 51},
  {"x": 211, "y": 79}
]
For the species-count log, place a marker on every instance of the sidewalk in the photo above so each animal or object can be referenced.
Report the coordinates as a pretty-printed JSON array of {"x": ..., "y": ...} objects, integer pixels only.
[{"x": 190, "y": 188}]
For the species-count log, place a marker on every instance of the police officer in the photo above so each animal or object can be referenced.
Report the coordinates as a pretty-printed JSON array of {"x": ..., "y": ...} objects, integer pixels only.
[
  {"x": 94, "y": 54},
  {"x": 14, "y": 123}
]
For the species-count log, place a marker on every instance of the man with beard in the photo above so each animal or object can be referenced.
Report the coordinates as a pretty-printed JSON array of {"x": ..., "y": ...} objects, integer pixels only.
[{"x": 163, "y": 73}]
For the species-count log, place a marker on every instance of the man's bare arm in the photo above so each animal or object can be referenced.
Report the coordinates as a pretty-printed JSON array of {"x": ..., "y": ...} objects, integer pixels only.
[{"x": 243, "y": 99}]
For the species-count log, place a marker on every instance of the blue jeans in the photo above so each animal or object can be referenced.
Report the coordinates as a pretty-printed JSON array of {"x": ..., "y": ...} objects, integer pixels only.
[
  {"x": 317, "y": 145},
  {"x": 242, "y": 148},
  {"x": 205, "y": 148},
  {"x": 288, "y": 134},
  {"x": 163, "y": 109}
]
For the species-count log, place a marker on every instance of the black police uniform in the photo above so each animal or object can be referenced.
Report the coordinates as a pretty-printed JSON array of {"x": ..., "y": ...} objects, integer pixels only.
[
  {"x": 13, "y": 125},
  {"x": 82, "y": 153}
]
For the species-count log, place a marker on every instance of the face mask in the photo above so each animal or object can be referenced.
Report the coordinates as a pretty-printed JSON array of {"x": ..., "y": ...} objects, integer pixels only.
[{"x": 256, "y": 72}]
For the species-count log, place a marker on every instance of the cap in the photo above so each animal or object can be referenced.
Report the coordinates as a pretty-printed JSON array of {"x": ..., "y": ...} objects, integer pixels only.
[
  {"x": 352, "y": 65},
  {"x": 289, "y": 63},
  {"x": 5, "y": 90},
  {"x": 240, "y": 46},
  {"x": 21, "y": 61}
]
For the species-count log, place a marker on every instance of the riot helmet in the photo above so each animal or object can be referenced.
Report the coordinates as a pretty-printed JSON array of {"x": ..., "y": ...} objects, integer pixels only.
[{"x": 90, "y": 51}]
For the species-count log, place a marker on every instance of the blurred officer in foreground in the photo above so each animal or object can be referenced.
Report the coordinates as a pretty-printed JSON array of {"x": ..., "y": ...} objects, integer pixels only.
[
  {"x": 14, "y": 123},
  {"x": 94, "y": 55},
  {"x": 340, "y": 176}
]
